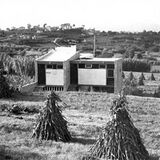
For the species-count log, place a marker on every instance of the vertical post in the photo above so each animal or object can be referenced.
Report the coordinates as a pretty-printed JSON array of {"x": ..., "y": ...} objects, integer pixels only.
[
  {"x": 36, "y": 71},
  {"x": 94, "y": 44}
]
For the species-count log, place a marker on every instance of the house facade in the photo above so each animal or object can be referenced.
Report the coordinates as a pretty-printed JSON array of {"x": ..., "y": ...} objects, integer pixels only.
[{"x": 65, "y": 69}]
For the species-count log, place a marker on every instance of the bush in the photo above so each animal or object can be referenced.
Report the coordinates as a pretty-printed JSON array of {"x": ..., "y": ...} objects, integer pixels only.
[
  {"x": 5, "y": 90},
  {"x": 136, "y": 65},
  {"x": 131, "y": 76},
  {"x": 154, "y": 49},
  {"x": 139, "y": 56},
  {"x": 131, "y": 88},
  {"x": 152, "y": 78},
  {"x": 16, "y": 109},
  {"x": 142, "y": 76},
  {"x": 123, "y": 75},
  {"x": 157, "y": 93},
  {"x": 140, "y": 81}
]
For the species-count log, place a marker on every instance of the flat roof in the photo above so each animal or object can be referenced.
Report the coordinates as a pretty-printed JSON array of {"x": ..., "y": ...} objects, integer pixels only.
[
  {"x": 59, "y": 54},
  {"x": 99, "y": 59}
]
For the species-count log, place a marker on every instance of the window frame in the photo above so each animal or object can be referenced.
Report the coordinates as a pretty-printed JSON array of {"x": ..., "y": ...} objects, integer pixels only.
[
  {"x": 59, "y": 66},
  {"x": 51, "y": 66},
  {"x": 110, "y": 66},
  {"x": 108, "y": 75}
]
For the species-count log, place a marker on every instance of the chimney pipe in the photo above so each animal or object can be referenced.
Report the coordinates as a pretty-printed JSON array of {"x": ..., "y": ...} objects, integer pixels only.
[{"x": 94, "y": 44}]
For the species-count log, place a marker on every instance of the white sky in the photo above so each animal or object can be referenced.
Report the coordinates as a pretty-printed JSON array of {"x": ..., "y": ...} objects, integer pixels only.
[{"x": 115, "y": 15}]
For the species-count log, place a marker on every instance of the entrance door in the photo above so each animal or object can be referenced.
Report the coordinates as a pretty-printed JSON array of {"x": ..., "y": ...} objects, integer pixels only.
[
  {"x": 41, "y": 74},
  {"x": 73, "y": 74}
]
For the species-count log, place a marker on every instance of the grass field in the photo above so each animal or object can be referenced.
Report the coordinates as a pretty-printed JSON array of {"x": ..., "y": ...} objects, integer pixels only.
[{"x": 87, "y": 113}]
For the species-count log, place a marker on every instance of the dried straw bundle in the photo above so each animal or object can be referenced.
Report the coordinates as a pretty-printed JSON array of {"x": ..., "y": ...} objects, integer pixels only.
[
  {"x": 120, "y": 140},
  {"x": 51, "y": 124}
]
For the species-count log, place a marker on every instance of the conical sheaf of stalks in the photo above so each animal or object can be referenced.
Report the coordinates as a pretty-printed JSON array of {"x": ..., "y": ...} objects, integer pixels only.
[
  {"x": 51, "y": 124},
  {"x": 120, "y": 139}
]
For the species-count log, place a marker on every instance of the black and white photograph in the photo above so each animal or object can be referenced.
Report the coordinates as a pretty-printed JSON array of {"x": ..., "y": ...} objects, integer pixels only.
[{"x": 79, "y": 80}]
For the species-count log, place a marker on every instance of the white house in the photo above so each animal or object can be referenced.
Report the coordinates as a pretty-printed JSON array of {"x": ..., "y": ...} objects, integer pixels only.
[{"x": 65, "y": 68}]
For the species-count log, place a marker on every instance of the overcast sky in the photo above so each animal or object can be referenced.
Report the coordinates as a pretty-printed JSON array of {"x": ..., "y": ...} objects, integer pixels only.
[{"x": 115, "y": 15}]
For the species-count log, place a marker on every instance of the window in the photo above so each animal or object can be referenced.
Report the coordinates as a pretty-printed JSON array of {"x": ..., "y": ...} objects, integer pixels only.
[
  {"x": 95, "y": 66},
  {"x": 54, "y": 66},
  {"x": 81, "y": 65},
  {"x": 49, "y": 66},
  {"x": 88, "y": 65},
  {"x": 110, "y": 73},
  {"x": 110, "y": 81},
  {"x": 59, "y": 66},
  {"x": 101, "y": 66},
  {"x": 110, "y": 66}
]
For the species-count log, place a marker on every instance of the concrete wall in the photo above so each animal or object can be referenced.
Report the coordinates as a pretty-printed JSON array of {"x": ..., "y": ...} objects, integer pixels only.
[
  {"x": 66, "y": 67},
  {"x": 118, "y": 76},
  {"x": 28, "y": 88},
  {"x": 55, "y": 77},
  {"x": 92, "y": 77}
]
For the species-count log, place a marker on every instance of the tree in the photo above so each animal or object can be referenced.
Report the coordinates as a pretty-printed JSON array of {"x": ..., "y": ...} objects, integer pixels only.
[
  {"x": 83, "y": 26},
  {"x": 131, "y": 54},
  {"x": 157, "y": 92},
  {"x": 123, "y": 75},
  {"x": 131, "y": 76},
  {"x": 139, "y": 56},
  {"x": 44, "y": 27},
  {"x": 29, "y": 26},
  {"x": 5, "y": 91},
  {"x": 154, "y": 49},
  {"x": 66, "y": 26},
  {"x": 140, "y": 81},
  {"x": 152, "y": 78},
  {"x": 142, "y": 76}
]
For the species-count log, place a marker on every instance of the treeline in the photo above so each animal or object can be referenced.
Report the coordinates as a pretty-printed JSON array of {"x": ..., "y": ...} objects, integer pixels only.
[{"x": 136, "y": 65}]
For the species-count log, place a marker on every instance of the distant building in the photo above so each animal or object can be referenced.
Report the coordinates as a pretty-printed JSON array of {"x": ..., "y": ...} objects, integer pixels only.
[{"x": 64, "y": 68}]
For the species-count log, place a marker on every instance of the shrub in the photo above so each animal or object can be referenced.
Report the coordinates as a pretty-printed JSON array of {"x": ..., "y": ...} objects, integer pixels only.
[
  {"x": 16, "y": 109},
  {"x": 140, "y": 81},
  {"x": 154, "y": 49},
  {"x": 131, "y": 88},
  {"x": 136, "y": 65},
  {"x": 131, "y": 76},
  {"x": 152, "y": 78},
  {"x": 139, "y": 56},
  {"x": 142, "y": 76},
  {"x": 123, "y": 75},
  {"x": 157, "y": 93},
  {"x": 5, "y": 90}
]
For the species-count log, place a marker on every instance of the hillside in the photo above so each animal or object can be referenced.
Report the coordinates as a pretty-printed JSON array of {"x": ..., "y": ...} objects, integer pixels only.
[
  {"x": 86, "y": 113},
  {"x": 14, "y": 41}
]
